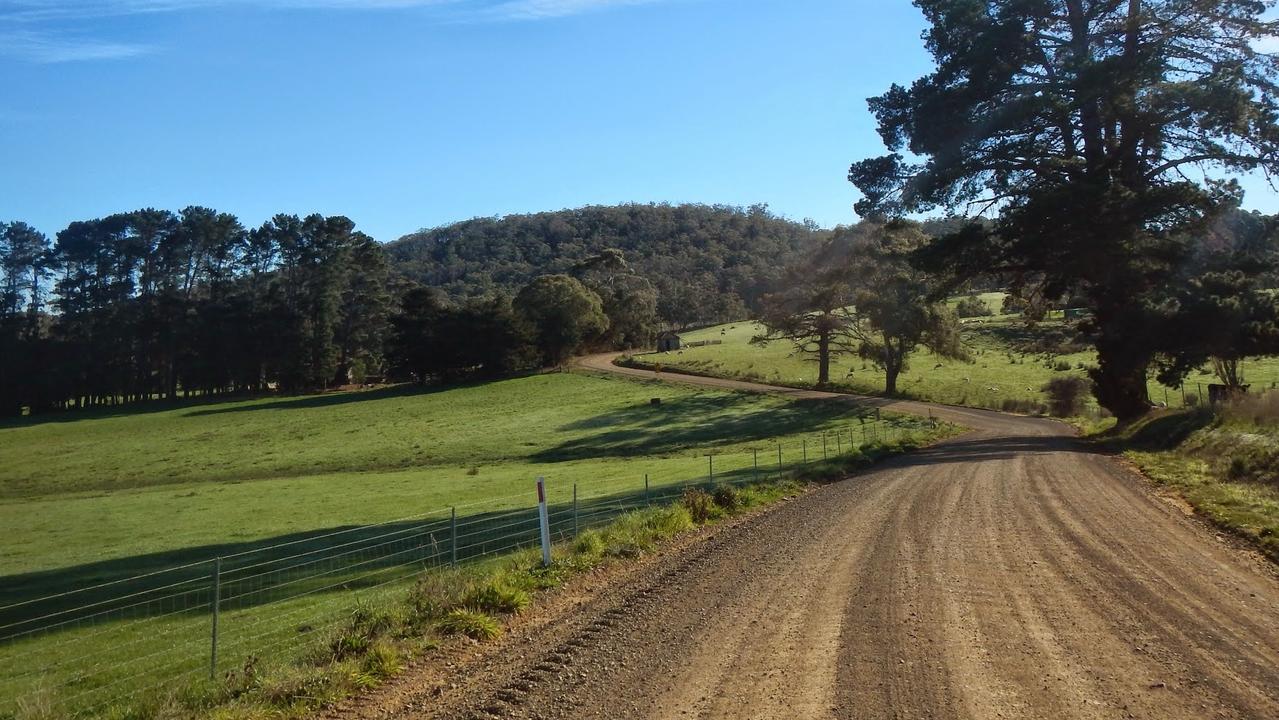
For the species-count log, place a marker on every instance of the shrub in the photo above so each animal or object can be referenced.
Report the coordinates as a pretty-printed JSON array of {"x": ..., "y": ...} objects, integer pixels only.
[
  {"x": 972, "y": 306},
  {"x": 726, "y": 497},
  {"x": 1013, "y": 305},
  {"x": 1066, "y": 395},
  {"x": 700, "y": 505},
  {"x": 496, "y": 598},
  {"x": 1062, "y": 366},
  {"x": 473, "y": 624}
]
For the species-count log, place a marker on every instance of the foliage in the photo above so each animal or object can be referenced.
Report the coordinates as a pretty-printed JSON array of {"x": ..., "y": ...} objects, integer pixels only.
[
  {"x": 971, "y": 307},
  {"x": 1066, "y": 395},
  {"x": 153, "y": 305},
  {"x": 811, "y": 313},
  {"x": 706, "y": 263},
  {"x": 471, "y": 623},
  {"x": 700, "y": 505},
  {"x": 894, "y": 310},
  {"x": 1082, "y": 123},
  {"x": 562, "y": 315}
]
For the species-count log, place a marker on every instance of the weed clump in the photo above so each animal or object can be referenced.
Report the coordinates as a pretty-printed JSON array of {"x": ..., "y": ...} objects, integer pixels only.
[
  {"x": 471, "y": 623},
  {"x": 494, "y": 597},
  {"x": 727, "y": 497},
  {"x": 700, "y": 505}
]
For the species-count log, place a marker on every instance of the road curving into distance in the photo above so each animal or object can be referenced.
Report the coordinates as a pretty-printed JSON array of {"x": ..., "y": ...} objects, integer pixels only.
[{"x": 1005, "y": 573}]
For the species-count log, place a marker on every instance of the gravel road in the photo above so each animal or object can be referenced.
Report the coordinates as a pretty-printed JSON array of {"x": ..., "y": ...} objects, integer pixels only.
[{"x": 1006, "y": 573}]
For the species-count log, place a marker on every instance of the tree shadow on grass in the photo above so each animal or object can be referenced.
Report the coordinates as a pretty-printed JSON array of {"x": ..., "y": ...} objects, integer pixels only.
[
  {"x": 697, "y": 420},
  {"x": 180, "y": 583}
]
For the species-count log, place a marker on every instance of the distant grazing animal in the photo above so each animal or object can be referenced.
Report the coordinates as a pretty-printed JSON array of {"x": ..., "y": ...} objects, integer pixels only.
[
  {"x": 993, "y": 388},
  {"x": 968, "y": 379},
  {"x": 938, "y": 366}
]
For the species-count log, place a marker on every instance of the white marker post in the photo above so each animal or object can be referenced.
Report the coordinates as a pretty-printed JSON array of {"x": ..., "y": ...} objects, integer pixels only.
[{"x": 545, "y": 521}]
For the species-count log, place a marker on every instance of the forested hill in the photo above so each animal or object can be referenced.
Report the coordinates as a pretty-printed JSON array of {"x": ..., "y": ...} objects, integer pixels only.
[{"x": 708, "y": 262}]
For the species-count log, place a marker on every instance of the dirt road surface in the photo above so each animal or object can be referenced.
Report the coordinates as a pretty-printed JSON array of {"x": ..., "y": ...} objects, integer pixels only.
[{"x": 1007, "y": 573}]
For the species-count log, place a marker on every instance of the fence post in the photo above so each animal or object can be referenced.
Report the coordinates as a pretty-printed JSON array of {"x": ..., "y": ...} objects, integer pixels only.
[
  {"x": 755, "y": 457},
  {"x": 779, "y": 461},
  {"x": 805, "y": 447},
  {"x": 575, "y": 504},
  {"x": 710, "y": 467},
  {"x": 839, "y": 443},
  {"x": 217, "y": 602},
  {"x": 544, "y": 521},
  {"x": 453, "y": 536},
  {"x": 647, "y": 502},
  {"x": 823, "y": 446}
]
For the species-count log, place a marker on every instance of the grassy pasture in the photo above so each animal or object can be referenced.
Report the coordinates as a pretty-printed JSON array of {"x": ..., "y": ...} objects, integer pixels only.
[
  {"x": 1010, "y": 363},
  {"x": 208, "y": 478},
  {"x": 89, "y": 499}
]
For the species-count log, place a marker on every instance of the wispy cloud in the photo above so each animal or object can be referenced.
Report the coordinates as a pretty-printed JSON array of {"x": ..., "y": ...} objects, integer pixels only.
[
  {"x": 47, "y": 10},
  {"x": 544, "y": 9},
  {"x": 40, "y": 31},
  {"x": 39, "y": 47}
]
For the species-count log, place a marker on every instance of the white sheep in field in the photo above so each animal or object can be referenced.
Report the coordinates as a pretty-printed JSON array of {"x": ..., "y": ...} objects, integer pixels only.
[
  {"x": 993, "y": 388},
  {"x": 967, "y": 380}
]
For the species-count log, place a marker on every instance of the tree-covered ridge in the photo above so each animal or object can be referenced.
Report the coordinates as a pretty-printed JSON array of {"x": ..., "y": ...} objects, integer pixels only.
[{"x": 708, "y": 262}]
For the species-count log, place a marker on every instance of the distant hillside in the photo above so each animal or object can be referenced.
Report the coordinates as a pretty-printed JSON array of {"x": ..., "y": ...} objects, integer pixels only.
[{"x": 708, "y": 262}]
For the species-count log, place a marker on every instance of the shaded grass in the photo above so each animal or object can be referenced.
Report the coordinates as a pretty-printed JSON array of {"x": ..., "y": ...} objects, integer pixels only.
[
  {"x": 109, "y": 487},
  {"x": 1226, "y": 469}
]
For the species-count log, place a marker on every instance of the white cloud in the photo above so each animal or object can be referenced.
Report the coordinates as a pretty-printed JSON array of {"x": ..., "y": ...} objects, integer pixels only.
[
  {"x": 46, "y": 48},
  {"x": 40, "y": 30}
]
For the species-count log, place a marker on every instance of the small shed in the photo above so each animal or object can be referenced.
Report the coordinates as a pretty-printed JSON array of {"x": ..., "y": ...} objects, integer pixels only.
[{"x": 668, "y": 341}]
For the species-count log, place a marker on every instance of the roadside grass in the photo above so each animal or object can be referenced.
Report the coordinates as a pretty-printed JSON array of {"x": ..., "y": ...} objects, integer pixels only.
[
  {"x": 367, "y": 637},
  {"x": 1010, "y": 365},
  {"x": 1226, "y": 467}
]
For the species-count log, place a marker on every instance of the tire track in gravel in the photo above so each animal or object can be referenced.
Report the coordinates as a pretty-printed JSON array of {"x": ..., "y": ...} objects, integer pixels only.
[{"x": 1007, "y": 573}]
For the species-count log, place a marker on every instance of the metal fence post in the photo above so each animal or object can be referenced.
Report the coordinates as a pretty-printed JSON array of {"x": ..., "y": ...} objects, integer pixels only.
[
  {"x": 804, "y": 443},
  {"x": 544, "y": 522},
  {"x": 453, "y": 536},
  {"x": 839, "y": 443},
  {"x": 755, "y": 460},
  {"x": 779, "y": 461},
  {"x": 575, "y": 503},
  {"x": 217, "y": 602},
  {"x": 710, "y": 467},
  {"x": 646, "y": 500},
  {"x": 823, "y": 446}
]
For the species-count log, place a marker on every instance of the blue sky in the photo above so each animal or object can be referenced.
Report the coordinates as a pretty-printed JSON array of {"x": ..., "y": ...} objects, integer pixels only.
[{"x": 405, "y": 114}]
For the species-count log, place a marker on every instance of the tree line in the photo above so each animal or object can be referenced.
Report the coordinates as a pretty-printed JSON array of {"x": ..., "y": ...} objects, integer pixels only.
[{"x": 157, "y": 305}]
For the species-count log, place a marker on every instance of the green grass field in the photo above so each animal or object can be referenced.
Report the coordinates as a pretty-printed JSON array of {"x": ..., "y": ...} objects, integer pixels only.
[
  {"x": 76, "y": 491},
  {"x": 100, "y": 498},
  {"x": 1010, "y": 364}
]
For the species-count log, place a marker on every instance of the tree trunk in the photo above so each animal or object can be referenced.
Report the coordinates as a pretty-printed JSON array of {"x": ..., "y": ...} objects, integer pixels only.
[
  {"x": 823, "y": 360},
  {"x": 892, "y": 369},
  {"x": 1119, "y": 380}
]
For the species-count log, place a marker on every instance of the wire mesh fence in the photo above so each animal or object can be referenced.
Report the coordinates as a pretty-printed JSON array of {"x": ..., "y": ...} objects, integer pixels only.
[{"x": 113, "y": 643}]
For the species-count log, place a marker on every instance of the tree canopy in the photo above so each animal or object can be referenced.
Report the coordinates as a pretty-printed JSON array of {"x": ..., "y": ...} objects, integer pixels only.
[
  {"x": 1102, "y": 132},
  {"x": 707, "y": 263}
]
